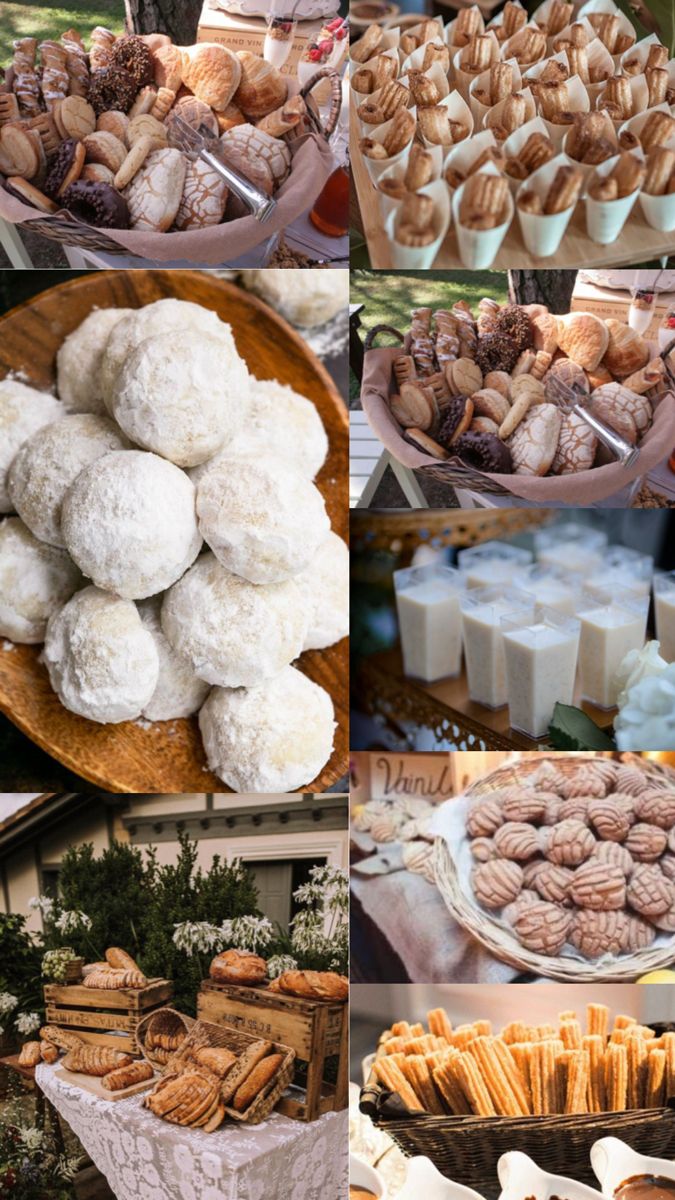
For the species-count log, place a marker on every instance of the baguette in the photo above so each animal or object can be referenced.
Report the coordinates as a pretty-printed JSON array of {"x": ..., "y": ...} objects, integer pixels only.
[
  {"x": 124, "y": 1077},
  {"x": 243, "y": 1067},
  {"x": 257, "y": 1081},
  {"x": 324, "y": 985},
  {"x": 121, "y": 960}
]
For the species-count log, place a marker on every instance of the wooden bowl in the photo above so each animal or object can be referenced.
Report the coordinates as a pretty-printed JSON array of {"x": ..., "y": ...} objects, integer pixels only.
[{"x": 166, "y": 756}]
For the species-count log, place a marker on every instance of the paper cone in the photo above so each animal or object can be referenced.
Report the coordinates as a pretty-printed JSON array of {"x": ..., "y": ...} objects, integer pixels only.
[
  {"x": 639, "y": 93},
  {"x": 416, "y": 28},
  {"x": 414, "y": 61},
  {"x": 462, "y": 156},
  {"x": 599, "y": 59},
  {"x": 595, "y": 7},
  {"x": 543, "y": 234},
  {"x": 458, "y": 110},
  {"x": 480, "y": 111},
  {"x": 636, "y": 124},
  {"x": 514, "y": 144},
  {"x": 376, "y": 166},
  {"x": 358, "y": 97},
  {"x": 437, "y": 76},
  {"x": 478, "y": 248},
  {"x": 367, "y": 130},
  {"x": 579, "y": 102},
  {"x": 420, "y": 258},
  {"x": 535, "y": 71},
  {"x": 493, "y": 118},
  {"x": 388, "y": 203},
  {"x": 509, "y": 48},
  {"x": 659, "y": 211},
  {"x": 588, "y": 169},
  {"x": 449, "y": 31},
  {"x": 606, "y": 218},
  {"x": 639, "y": 53},
  {"x": 463, "y": 79}
]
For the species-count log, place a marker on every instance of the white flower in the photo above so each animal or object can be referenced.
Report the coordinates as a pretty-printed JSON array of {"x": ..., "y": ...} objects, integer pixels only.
[
  {"x": 31, "y": 1137},
  {"x": 280, "y": 963},
  {"x": 248, "y": 933},
  {"x": 72, "y": 920},
  {"x": 27, "y": 1022},
  {"x": 646, "y": 718},
  {"x": 43, "y": 904},
  {"x": 637, "y": 665},
  {"x": 197, "y": 936},
  {"x": 7, "y": 1003}
]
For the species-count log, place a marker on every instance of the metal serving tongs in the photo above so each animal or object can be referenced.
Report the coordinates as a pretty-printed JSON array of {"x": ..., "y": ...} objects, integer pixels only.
[
  {"x": 203, "y": 144},
  {"x": 574, "y": 400}
]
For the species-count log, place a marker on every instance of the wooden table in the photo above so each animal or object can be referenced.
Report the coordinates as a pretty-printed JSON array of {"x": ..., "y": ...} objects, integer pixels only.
[{"x": 637, "y": 243}]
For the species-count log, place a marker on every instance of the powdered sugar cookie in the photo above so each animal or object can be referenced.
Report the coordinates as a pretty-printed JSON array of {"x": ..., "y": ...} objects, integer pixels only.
[
  {"x": 35, "y": 581},
  {"x": 179, "y": 692},
  {"x": 78, "y": 362},
  {"x": 23, "y": 410},
  {"x": 325, "y": 588}
]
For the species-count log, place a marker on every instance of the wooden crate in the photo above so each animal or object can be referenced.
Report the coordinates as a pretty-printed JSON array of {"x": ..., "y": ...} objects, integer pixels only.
[
  {"x": 315, "y": 1029},
  {"x": 105, "y": 1017}
]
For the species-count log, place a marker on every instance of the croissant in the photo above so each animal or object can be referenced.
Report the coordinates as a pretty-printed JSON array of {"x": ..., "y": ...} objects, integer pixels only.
[
  {"x": 121, "y": 960},
  {"x": 125, "y": 1077},
  {"x": 320, "y": 985},
  {"x": 95, "y": 1060},
  {"x": 31, "y": 1053},
  {"x": 216, "y": 1059},
  {"x": 261, "y": 88}
]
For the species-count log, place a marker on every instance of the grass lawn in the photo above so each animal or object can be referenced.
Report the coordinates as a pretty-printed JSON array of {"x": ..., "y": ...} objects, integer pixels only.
[
  {"x": 388, "y": 296},
  {"x": 49, "y": 21}
]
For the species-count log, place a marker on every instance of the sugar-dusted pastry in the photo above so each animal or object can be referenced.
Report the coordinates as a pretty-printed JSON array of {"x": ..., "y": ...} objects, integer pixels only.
[
  {"x": 100, "y": 51},
  {"x": 204, "y": 197},
  {"x": 26, "y": 85},
  {"x": 54, "y": 82},
  {"x": 325, "y": 587},
  {"x": 35, "y": 581},
  {"x": 212, "y": 72},
  {"x": 584, "y": 338},
  {"x": 23, "y": 410},
  {"x": 258, "y": 155},
  {"x": 294, "y": 728},
  {"x": 577, "y": 446},
  {"x": 76, "y": 63},
  {"x": 155, "y": 192}
]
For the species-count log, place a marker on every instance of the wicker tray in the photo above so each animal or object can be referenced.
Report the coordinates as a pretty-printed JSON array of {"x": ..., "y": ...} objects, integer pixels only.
[
  {"x": 467, "y": 1149},
  {"x": 499, "y": 941},
  {"x": 204, "y": 1033},
  {"x": 162, "y": 1020}
]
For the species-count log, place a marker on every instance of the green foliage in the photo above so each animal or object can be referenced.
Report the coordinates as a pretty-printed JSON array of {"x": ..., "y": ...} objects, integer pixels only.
[
  {"x": 20, "y": 958},
  {"x": 43, "y": 21}
]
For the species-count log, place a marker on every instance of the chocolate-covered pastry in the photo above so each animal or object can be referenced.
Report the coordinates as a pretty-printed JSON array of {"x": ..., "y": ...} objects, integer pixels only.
[
  {"x": 484, "y": 452},
  {"x": 112, "y": 89},
  {"x": 515, "y": 323},
  {"x": 457, "y": 415},
  {"x": 497, "y": 352},
  {"x": 64, "y": 167},
  {"x": 133, "y": 56},
  {"x": 97, "y": 204}
]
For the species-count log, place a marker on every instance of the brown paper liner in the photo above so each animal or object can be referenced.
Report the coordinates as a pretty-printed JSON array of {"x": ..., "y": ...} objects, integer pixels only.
[
  {"x": 312, "y": 165},
  {"x": 580, "y": 489}
]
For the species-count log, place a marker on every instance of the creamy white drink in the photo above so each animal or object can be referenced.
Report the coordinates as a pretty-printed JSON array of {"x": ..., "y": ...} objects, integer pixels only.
[
  {"x": 550, "y": 586},
  {"x": 612, "y": 623},
  {"x": 482, "y": 610},
  {"x": 571, "y": 546},
  {"x": 664, "y": 607},
  {"x": 430, "y": 620},
  {"x": 541, "y": 662},
  {"x": 492, "y": 563},
  {"x": 623, "y": 568}
]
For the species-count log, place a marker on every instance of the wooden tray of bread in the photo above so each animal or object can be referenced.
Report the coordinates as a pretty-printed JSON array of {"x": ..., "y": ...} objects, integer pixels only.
[
  {"x": 96, "y": 1087},
  {"x": 135, "y": 756},
  {"x": 107, "y": 1073}
]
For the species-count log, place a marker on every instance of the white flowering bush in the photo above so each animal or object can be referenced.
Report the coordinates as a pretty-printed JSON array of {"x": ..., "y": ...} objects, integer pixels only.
[
  {"x": 320, "y": 931},
  {"x": 27, "y": 1023},
  {"x": 255, "y": 934},
  {"x": 197, "y": 937},
  {"x": 278, "y": 963},
  {"x": 8, "y": 1003},
  {"x": 72, "y": 921},
  {"x": 44, "y": 905}
]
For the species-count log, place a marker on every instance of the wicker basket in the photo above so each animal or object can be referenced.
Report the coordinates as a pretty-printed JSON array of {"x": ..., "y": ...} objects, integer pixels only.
[
  {"x": 499, "y": 941},
  {"x": 162, "y": 1020},
  {"x": 453, "y": 473},
  {"x": 467, "y": 1149},
  {"x": 63, "y": 227},
  {"x": 204, "y": 1033}
]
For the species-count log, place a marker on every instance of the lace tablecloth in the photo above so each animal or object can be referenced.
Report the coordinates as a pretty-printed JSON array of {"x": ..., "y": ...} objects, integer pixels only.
[{"x": 144, "y": 1158}]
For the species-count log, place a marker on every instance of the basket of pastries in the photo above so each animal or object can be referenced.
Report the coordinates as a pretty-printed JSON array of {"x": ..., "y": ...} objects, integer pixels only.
[
  {"x": 514, "y": 136},
  {"x": 161, "y": 1033},
  {"x": 114, "y": 145},
  {"x": 497, "y": 400},
  {"x": 220, "y": 1072},
  {"x": 565, "y": 867},
  {"x": 465, "y": 1095}
]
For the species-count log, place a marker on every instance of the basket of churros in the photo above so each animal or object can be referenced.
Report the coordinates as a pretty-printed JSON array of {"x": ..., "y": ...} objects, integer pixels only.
[
  {"x": 513, "y": 400},
  {"x": 463, "y": 1096},
  {"x": 564, "y": 867}
]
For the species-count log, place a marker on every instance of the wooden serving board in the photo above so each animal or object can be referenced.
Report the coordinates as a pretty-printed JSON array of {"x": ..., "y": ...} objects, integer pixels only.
[
  {"x": 167, "y": 756},
  {"x": 637, "y": 243},
  {"x": 94, "y": 1084}
]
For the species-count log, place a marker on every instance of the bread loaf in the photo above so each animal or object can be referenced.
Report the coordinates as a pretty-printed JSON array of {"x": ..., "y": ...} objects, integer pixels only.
[
  {"x": 31, "y": 1053},
  {"x": 322, "y": 985},
  {"x": 121, "y": 961},
  {"x": 243, "y": 1067},
  {"x": 60, "y": 1037},
  {"x": 95, "y": 1060},
  {"x": 238, "y": 966},
  {"x": 216, "y": 1059},
  {"x": 111, "y": 979},
  {"x": 257, "y": 1081},
  {"x": 124, "y": 1077}
]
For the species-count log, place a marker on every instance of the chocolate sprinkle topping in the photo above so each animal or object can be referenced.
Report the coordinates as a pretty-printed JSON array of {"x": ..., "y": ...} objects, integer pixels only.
[
  {"x": 132, "y": 55},
  {"x": 497, "y": 352},
  {"x": 112, "y": 88},
  {"x": 515, "y": 324}
]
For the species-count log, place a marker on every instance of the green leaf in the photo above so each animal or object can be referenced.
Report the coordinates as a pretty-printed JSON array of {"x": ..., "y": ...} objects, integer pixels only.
[{"x": 572, "y": 729}]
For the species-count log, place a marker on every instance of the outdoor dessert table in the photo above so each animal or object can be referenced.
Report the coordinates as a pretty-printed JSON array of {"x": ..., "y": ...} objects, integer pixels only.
[{"x": 145, "y": 1158}]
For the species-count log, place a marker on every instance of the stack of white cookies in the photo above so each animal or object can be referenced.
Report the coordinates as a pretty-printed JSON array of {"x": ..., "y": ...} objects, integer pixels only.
[
  {"x": 485, "y": 389},
  {"x": 537, "y": 108},
  {"x": 91, "y": 131},
  {"x": 170, "y": 548}
]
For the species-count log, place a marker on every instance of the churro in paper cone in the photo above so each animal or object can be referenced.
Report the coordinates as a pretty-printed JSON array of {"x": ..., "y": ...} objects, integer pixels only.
[
  {"x": 478, "y": 248},
  {"x": 543, "y": 233},
  {"x": 600, "y": 62},
  {"x": 634, "y": 60},
  {"x": 598, "y": 8},
  {"x": 479, "y": 111},
  {"x": 510, "y": 48},
  {"x": 496, "y": 25},
  {"x": 577, "y": 102},
  {"x": 452, "y": 27},
  {"x": 462, "y": 78},
  {"x": 421, "y": 257},
  {"x": 397, "y": 174},
  {"x": 608, "y": 131},
  {"x": 416, "y": 59},
  {"x": 606, "y": 218},
  {"x": 514, "y": 144},
  {"x": 639, "y": 93},
  {"x": 356, "y": 96},
  {"x": 636, "y": 124},
  {"x": 417, "y": 30},
  {"x": 457, "y": 111},
  {"x": 462, "y": 157},
  {"x": 493, "y": 119},
  {"x": 376, "y": 166}
]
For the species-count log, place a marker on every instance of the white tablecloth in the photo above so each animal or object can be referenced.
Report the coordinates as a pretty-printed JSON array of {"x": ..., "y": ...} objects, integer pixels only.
[{"x": 145, "y": 1158}]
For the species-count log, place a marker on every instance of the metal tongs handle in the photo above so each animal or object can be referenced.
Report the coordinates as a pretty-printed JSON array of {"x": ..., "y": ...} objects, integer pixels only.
[
  {"x": 261, "y": 206},
  {"x": 619, "y": 447}
]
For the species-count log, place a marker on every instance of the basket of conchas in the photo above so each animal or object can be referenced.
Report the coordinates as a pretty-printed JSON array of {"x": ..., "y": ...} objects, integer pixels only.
[
  {"x": 135, "y": 145},
  {"x": 512, "y": 400}
]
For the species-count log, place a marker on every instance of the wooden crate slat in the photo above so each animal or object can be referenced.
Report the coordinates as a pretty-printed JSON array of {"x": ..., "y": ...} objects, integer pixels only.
[
  {"x": 92, "y": 1020},
  {"x": 122, "y": 1041},
  {"x": 139, "y": 999}
]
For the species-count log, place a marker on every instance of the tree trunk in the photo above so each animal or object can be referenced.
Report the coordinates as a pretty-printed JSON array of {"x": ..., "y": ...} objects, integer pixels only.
[
  {"x": 552, "y": 288},
  {"x": 178, "y": 18}
]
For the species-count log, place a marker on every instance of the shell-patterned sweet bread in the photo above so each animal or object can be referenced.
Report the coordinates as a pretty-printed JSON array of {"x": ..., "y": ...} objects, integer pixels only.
[
  {"x": 111, "y": 979},
  {"x": 238, "y": 966},
  {"x": 95, "y": 1060},
  {"x": 261, "y": 87},
  {"x": 319, "y": 985}
]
